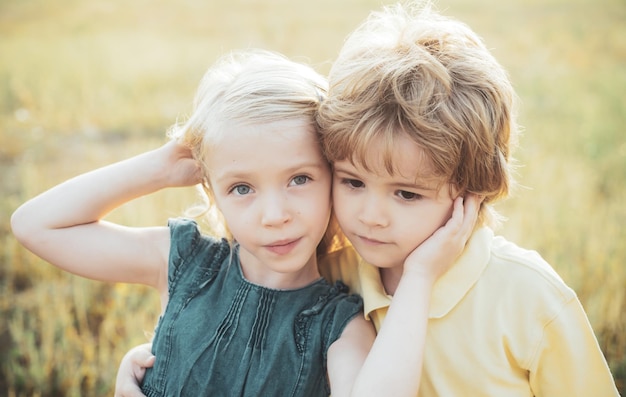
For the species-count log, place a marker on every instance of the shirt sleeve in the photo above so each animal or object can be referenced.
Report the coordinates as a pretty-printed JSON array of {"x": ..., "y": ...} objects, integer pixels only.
[
  {"x": 187, "y": 243},
  {"x": 184, "y": 235},
  {"x": 569, "y": 361}
]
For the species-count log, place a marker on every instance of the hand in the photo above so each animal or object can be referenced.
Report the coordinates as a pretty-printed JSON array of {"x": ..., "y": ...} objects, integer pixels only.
[
  {"x": 180, "y": 166},
  {"x": 435, "y": 255},
  {"x": 132, "y": 370}
]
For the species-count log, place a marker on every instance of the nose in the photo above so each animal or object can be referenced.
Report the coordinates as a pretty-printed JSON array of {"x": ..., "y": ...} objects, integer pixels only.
[
  {"x": 275, "y": 211},
  {"x": 372, "y": 211}
]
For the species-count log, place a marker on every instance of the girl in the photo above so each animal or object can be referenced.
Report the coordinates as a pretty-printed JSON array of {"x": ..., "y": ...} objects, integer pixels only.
[{"x": 247, "y": 314}]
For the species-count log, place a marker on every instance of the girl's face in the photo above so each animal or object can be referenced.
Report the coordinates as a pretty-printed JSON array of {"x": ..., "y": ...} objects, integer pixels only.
[
  {"x": 387, "y": 216},
  {"x": 273, "y": 187}
]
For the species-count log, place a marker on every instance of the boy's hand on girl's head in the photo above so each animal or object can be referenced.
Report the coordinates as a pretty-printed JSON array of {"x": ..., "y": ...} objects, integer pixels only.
[
  {"x": 132, "y": 370},
  {"x": 436, "y": 254}
]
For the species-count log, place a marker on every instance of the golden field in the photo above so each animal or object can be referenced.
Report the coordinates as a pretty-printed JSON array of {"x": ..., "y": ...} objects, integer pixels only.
[{"x": 86, "y": 83}]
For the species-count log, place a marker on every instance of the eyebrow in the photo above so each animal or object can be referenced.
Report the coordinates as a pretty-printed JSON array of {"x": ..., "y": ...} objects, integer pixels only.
[
  {"x": 237, "y": 174},
  {"x": 405, "y": 185}
]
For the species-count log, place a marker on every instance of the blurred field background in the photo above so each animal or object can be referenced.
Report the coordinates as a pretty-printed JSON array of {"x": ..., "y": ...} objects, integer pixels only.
[{"x": 84, "y": 83}]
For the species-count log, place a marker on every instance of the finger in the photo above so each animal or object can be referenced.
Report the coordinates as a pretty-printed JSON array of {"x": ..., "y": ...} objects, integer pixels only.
[
  {"x": 134, "y": 392},
  {"x": 458, "y": 210},
  {"x": 139, "y": 369},
  {"x": 471, "y": 207},
  {"x": 147, "y": 360},
  {"x": 149, "y": 363},
  {"x": 141, "y": 355}
]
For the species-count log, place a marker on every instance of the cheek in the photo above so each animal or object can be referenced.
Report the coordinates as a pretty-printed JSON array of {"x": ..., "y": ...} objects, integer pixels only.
[
  {"x": 312, "y": 202},
  {"x": 325, "y": 205},
  {"x": 233, "y": 222},
  {"x": 340, "y": 204},
  {"x": 315, "y": 208},
  {"x": 419, "y": 226},
  {"x": 236, "y": 214},
  {"x": 444, "y": 213},
  {"x": 447, "y": 215}
]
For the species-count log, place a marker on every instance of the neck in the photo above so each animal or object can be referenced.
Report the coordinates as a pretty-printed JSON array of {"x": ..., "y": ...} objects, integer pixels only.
[
  {"x": 288, "y": 276},
  {"x": 390, "y": 278}
]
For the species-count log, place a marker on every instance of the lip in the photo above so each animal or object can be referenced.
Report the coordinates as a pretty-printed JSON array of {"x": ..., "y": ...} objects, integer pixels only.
[
  {"x": 371, "y": 241},
  {"x": 282, "y": 247}
]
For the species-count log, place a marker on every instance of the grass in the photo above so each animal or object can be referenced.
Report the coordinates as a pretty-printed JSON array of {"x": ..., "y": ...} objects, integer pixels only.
[{"x": 88, "y": 83}]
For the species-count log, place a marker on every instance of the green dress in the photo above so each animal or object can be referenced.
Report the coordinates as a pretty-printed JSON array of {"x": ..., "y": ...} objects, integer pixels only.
[{"x": 221, "y": 335}]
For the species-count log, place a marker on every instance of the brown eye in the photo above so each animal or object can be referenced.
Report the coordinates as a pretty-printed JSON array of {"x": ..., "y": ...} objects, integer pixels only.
[
  {"x": 408, "y": 196},
  {"x": 353, "y": 183}
]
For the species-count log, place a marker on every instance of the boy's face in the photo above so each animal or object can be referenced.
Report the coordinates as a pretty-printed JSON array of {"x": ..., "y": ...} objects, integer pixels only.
[{"x": 387, "y": 216}]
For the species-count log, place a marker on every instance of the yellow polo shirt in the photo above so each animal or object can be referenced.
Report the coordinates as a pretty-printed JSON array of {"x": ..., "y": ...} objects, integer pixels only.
[{"x": 502, "y": 323}]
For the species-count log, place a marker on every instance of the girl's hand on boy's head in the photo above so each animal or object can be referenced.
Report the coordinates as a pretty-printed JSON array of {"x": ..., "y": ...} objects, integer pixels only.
[
  {"x": 132, "y": 370},
  {"x": 436, "y": 254}
]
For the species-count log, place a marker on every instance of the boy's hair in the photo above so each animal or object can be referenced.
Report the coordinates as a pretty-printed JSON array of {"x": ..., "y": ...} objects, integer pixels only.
[
  {"x": 409, "y": 70},
  {"x": 246, "y": 87}
]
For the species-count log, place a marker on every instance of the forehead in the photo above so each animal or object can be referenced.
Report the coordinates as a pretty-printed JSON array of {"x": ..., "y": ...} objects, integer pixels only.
[
  {"x": 266, "y": 147},
  {"x": 398, "y": 157},
  {"x": 299, "y": 134}
]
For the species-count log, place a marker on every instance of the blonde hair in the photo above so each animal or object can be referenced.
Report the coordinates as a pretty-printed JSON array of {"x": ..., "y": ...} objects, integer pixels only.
[
  {"x": 409, "y": 70},
  {"x": 246, "y": 87}
]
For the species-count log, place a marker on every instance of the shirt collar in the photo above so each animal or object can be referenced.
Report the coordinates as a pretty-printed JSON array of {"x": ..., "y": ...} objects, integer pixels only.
[
  {"x": 448, "y": 290},
  {"x": 372, "y": 289},
  {"x": 453, "y": 285}
]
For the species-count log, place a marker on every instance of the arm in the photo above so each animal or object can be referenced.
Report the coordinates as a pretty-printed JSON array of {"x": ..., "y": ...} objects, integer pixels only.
[
  {"x": 347, "y": 354},
  {"x": 132, "y": 370},
  {"x": 64, "y": 225},
  {"x": 394, "y": 365}
]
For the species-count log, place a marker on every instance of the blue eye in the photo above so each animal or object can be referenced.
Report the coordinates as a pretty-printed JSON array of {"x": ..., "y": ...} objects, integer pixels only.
[
  {"x": 300, "y": 180},
  {"x": 241, "y": 190}
]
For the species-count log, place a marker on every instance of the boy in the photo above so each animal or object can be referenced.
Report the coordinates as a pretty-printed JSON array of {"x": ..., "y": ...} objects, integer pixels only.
[{"x": 419, "y": 112}]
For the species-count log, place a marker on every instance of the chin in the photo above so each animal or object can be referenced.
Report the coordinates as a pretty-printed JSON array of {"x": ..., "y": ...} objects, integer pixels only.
[{"x": 378, "y": 259}]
